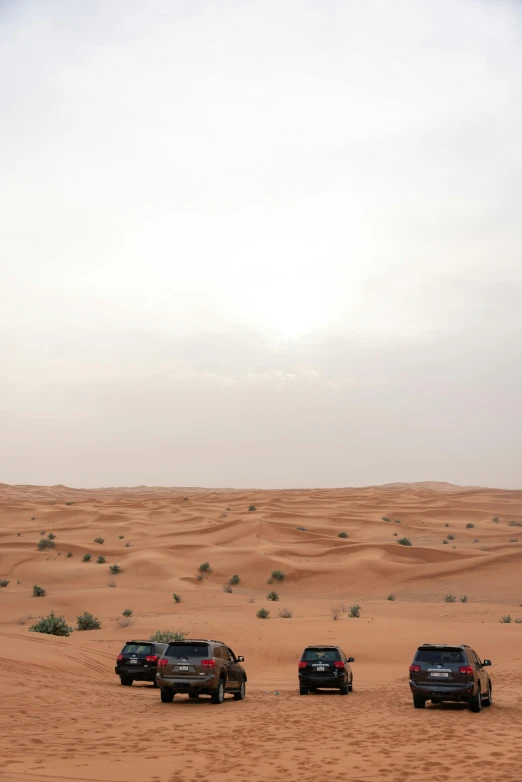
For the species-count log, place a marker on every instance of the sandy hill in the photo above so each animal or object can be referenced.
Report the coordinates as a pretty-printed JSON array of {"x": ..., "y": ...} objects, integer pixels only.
[{"x": 66, "y": 717}]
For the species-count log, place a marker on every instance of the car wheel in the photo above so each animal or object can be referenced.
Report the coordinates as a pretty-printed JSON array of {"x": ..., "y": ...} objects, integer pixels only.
[
  {"x": 167, "y": 696},
  {"x": 476, "y": 703},
  {"x": 419, "y": 703},
  {"x": 219, "y": 695},
  {"x": 488, "y": 700},
  {"x": 350, "y": 686},
  {"x": 238, "y": 696},
  {"x": 344, "y": 689},
  {"x": 193, "y": 696},
  {"x": 155, "y": 683},
  {"x": 126, "y": 681},
  {"x": 303, "y": 690}
]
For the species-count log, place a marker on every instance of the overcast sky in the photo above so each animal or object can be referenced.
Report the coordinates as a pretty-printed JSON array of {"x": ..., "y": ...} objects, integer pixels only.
[{"x": 272, "y": 243}]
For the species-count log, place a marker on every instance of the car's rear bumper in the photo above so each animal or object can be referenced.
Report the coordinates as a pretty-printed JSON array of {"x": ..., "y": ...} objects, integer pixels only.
[
  {"x": 147, "y": 675},
  {"x": 457, "y": 692},
  {"x": 187, "y": 683},
  {"x": 328, "y": 682}
]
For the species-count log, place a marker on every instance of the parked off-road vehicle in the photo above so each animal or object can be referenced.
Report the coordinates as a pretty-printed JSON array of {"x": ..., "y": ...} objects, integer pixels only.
[
  {"x": 138, "y": 661},
  {"x": 440, "y": 672},
  {"x": 199, "y": 668},
  {"x": 325, "y": 666}
]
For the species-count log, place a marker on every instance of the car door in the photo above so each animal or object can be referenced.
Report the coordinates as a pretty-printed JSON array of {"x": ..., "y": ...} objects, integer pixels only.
[
  {"x": 232, "y": 668},
  {"x": 481, "y": 673}
]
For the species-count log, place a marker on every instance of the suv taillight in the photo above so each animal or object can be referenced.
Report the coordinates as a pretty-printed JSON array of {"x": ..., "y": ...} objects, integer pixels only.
[
  {"x": 467, "y": 669},
  {"x": 339, "y": 664},
  {"x": 414, "y": 668},
  {"x": 162, "y": 661},
  {"x": 152, "y": 658},
  {"x": 120, "y": 657},
  {"x": 208, "y": 663},
  {"x": 302, "y": 664}
]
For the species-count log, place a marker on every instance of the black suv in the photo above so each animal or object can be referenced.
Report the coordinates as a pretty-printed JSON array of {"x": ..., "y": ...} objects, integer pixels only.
[
  {"x": 201, "y": 668},
  {"x": 325, "y": 666},
  {"x": 449, "y": 673},
  {"x": 138, "y": 660}
]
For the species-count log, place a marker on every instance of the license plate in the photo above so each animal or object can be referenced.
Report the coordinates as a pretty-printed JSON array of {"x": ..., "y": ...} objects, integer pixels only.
[
  {"x": 133, "y": 662},
  {"x": 183, "y": 667},
  {"x": 320, "y": 668},
  {"x": 439, "y": 674}
]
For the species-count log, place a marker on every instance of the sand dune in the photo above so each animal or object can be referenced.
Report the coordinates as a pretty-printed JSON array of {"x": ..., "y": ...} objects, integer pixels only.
[{"x": 65, "y": 716}]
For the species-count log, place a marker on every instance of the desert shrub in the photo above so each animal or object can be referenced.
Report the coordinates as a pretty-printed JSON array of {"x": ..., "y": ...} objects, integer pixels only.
[
  {"x": 251, "y": 600},
  {"x": 99, "y": 540},
  {"x": 446, "y": 525},
  {"x": 227, "y": 588},
  {"x": 125, "y": 621},
  {"x": 69, "y": 503},
  {"x": 395, "y": 534},
  {"x": 86, "y": 557},
  {"x": 223, "y": 515},
  {"x": 464, "y": 599},
  {"x": 506, "y": 620},
  {"x": 445, "y": 541},
  {"x": 476, "y": 540},
  {"x": 4, "y": 582},
  {"x": 263, "y": 613},
  {"x": 111, "y": 583},
  {"x": 398, "y": 521},
  {"x": 234, "y": 580},
  {"x": 518, "y": 621},
  {"x": 342, "y": 535},
  {"x": 336, "y": 612},
  {"x": 121, "y": 537},
  {"x": 87, "y": 622},
  {"x": 355, "y": 612},
  {"x": 42, "y": 532},
  {"x": 114, "y": 569},
  {"x": 285, "y": 613},
  {"x": 301, "y": 529},
  {"x": 33, "y": 518},
  {"x": 51, "y": 625},
  {"x": 391, "y": 596},
  {"x": 496, "y": 520},
  {"x": 23, "y": 619},
  {"x": 199, "y": 578},
  {"x": 272, "y": 596},
  {"x": 449, "y": 598},
  {"x": 515, "y": 524},
  {"x": 176, "y": 598},
  {"x": 45, "y": 543},
  {"x": 513, "y": 540},
  {"x": 469, "y": 525},
  {"x": 251, "y": 507},
  {"x": 185, "y": 499},
  {"x": 166, "y": 636},
  {"x": 404, "y": 541},
  {"x": 101, "y": 559},
  {"x": 51, "y": 536},
  {"x": 451, "y": 537},
  {"x": 127, "y": 545},
  {"x": 205, "y": 567},
  {"x": 484, "y": 548},
  {"x": 385, "y": 518},
  {"x": 39, "y": 591},
  {"x": 278, "y": 575},
  {"x": 127, "y": 612},
  {"x": 69, "y": 554}
]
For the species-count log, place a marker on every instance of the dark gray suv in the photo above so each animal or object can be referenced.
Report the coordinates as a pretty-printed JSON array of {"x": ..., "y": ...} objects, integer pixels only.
[
  {"x": 138, "y": 661},
  {"x": 200, "y": 667},
  {"x": 440, "y": 672}
]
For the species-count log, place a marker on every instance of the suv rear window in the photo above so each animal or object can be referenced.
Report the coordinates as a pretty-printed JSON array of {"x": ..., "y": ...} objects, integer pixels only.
[
  {"x": 137, "y": 649},
  {"x": 188, "y": 650},
  {"x": 440, "y": 656},
  {"x": 318, "y": 654}
]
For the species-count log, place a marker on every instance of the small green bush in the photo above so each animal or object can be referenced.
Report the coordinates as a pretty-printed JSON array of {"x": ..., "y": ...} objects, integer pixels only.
[
  {"x": 342, "y": 535},
  {"x": 398, "y": 521},
  {"x": 496, "y": 520},
  {"x": 39, "y": 591},
  {"x": 391, "y": 596},
  {"x": 114, "y": 569},
  {"x": 199, "y": 578},
  {"x": 205, "y": 567},
  {"x": 446, "y": 525},
  {"x": 518, "y": 621},
  {"x": 44, "y": 543},
  {"x": 228, "y": 509},
  {"x": 272, "y": 596},
  {"x": 464, "y": 599},
  {"x": 33, "y": 518},
  {"x": 69, "y": 554},
  {"x": 301, "y": 529},
  {"x": 278, "y": 575},
  {"x": 166, "y": 636},
  {"x": 513, "y": 540},
  {"x": 445, "y": 541},
  {"x": 51, "y": 625},
  {"x": 69, "y": 503},
  {"x": 99, "y": 540},
  {"x": 404, "y": 542},
  {"x": 506, "y": 620},
  {"x": 127, "y": 545},
  {"x": 263, "y": 613},
  {"x": 227, "y": 588},
  {"x": 469, "y": 525},
  {"x": 385, "y": 518},
  {"x": 87, "y": 622},
  {"x": 42, "y": 532},
  {"x": 451, "y": 537},
  {"x": 234, "y": 580},
  {"x": 450, "y": 598},
  {"x": 515, "y": 524},
  {"x": 121, "y": 537},
  {"x": 51, "y": 536},
  {"x": 101, "y": 560},
  {"x": 4, "y": 582},
  {"x": 86, "y": 557},
  {"x": 251, "y": 507},
  {"x": 127, "y": 612},
  {"x": 355, "y": 612},
  {"x": 176, "y": 598}
]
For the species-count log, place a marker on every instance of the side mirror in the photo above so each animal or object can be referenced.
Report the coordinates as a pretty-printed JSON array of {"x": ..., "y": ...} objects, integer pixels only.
[
  {"x": 241, "y": 659},
  {"x": 351, "y": 660},
  {"x": 487, "y": 662}
]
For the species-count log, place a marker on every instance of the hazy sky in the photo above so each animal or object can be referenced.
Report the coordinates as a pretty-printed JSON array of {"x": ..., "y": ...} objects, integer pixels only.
[{"x": 271, "y": 243}]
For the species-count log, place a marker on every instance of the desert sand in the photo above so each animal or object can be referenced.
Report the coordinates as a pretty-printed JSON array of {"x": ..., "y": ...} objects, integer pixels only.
[{"x": 65, "y": 716}]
